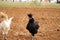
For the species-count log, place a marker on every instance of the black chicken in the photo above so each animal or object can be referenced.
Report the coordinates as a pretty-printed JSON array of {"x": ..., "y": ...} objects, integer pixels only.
[{"x": 32, "y": 25}]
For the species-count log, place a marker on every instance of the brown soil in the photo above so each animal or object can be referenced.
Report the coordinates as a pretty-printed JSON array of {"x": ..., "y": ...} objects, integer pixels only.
[{"x": 49, "y": 21}]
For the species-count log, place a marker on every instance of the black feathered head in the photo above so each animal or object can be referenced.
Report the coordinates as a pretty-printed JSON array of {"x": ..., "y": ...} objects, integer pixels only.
[{"x": 30, "y": 15}]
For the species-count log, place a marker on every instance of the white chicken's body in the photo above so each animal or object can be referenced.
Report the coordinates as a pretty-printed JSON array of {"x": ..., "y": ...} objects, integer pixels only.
[{"x": 5, "y": 25}]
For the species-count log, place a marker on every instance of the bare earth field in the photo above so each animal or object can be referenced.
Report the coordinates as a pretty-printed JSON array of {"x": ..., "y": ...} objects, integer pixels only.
[{"x": 49, "y": 21}]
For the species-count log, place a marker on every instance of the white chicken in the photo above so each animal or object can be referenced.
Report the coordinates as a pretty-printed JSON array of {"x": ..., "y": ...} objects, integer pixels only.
[{"x": 5, "y": 24}]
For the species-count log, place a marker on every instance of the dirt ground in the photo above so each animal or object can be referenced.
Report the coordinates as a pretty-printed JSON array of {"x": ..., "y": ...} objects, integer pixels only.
[{"x": 49, "y": 21}]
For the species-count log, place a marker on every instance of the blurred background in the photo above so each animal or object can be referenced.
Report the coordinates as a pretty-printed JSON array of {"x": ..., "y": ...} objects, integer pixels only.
[{"x": 30, "y": 3}]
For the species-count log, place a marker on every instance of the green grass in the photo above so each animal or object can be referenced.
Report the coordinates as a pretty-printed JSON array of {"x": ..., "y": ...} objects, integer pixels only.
[
  {"x": 54, "y": 5},
  {"x": 31, "y": 4},
  {"x": 11, "y": 4}
]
